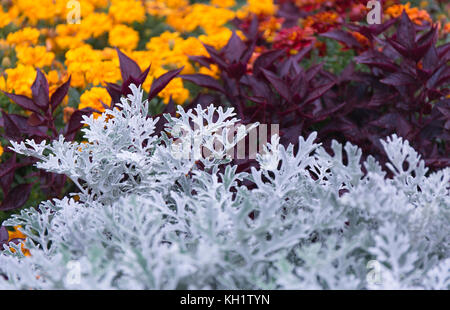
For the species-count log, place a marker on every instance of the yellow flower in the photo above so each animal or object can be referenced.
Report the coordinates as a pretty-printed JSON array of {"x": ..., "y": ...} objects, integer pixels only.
[
  {"x": 20, "y": 79},
  {"x": 52, "y": 77},
  {"x": 102, "y": 72},
  {"x": 96, "y": 24},
  {"x": 100, "y": 3},
  {"x": 208, "y": 17},
  {"x": 25, "y": 36},
  {"x": 93, "y": 98},
  {"x": 165, "y": 41},
  {"x": 213, "y": 71},
  {"x": 258, "y": 7},
  {"x": 109, "y": 53},
  {"x": 143, "y": 59},
  {"x": 219, "y": 38},
  {"x": 1, "y": 150},
  {"x": 123, "y": 37},
  {"x": 16, "y": 234},
  {"x": 165, "y": 7},
  {"x": 79, "y": 61},
  {"x": 70, "y": 36},
  {"x": 2, "y": 83},
  {"x": 87, "y": 8},
  {"x": 39, "y": 10},
  {"x": 191, "y": 47},
  {"x": 223, "y": 3},
  {"x": 127, "y": 11},
  {"x": 34, "y": 56},
  {"x": 53, "y": 81},
  {"x": 171, "y": 51},
  {"x": 8, "y": 17},
  {"x": 67, "y": 114}
]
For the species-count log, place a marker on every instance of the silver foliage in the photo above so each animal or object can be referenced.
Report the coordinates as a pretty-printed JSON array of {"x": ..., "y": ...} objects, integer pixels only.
[{"x": 149, "y": 218}]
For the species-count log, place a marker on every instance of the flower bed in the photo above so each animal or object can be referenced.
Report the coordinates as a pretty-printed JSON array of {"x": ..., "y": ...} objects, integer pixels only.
[{"x": 358, "y": 170}]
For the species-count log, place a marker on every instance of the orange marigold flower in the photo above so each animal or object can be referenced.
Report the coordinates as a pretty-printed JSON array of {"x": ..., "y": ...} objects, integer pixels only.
[
  {"x": 322, "y": 21},
  {"x": 16, "y": 233},
  {"x": 223, "y": 3},
  {"x": 25, "y": 36},
  {"x": 415, "y": 14},
  {"x": 36, "y": 56},
  {"x": 127, "y": 11},
  {"x": 93, "y": 98},
  {"x": 361, "y": 39},
  {"x": 447, "y": 28},
  {"x": 123, "y": 37},
  {"x": 20, "y": 79},
  {"x": 25, "y": 251},
  {"x": 68, "y": 111},
  {"x": 293, "y": 39},
  {"x": 270, "y": 26}
]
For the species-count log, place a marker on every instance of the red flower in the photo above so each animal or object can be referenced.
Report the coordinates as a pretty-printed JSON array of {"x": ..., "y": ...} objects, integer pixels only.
[{"x": 292, "y": 40}]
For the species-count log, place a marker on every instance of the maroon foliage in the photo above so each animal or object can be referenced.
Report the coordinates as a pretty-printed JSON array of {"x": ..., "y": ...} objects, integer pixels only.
[{"x": 39, "y": 125}]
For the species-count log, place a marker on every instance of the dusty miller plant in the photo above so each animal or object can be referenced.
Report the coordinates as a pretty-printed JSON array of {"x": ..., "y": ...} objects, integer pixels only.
[{"x": 154, "y": 213}]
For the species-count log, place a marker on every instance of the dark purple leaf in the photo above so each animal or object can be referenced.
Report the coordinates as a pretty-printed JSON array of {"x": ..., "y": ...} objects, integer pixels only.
[
  {"x": 4, "y": 236},
  {"x": 430, "y": 59},
  {"x": 214, "y": 55},
  {"x": 39, "y": 90},
  {"x": 440, "y": 76},
  {"x": 245, "y": 58},
  {"x": 203, "y": 60},
  {"x": 75, "y": 124},
  {"x": 7, "y": 170},
  {"x": 406, "y": 34},
  {"x": 128, "y": 67},
  {"x": 377, "y": 59},
  {"x": 342, "y": 36},
  {"x": 203, "y": 80},
  {"x": 280, "y": 85},
  {"x": 398, "y": 79},
  {"x": 36, "y": 119},
  {"x": 312, "y": 71},
  {"x": 59, "y": 94},
  {"x": 143, "y": 76},
  {"x": 318, "y": 92},
  {"x": 16, "y": 198},
  {"x": 236, "y": 70},
  {"x": 161, "y": 82},
  {"x": 115, "y": 92},
  {"x": 265, "y": 60},
  {"x": 444, "y": 51},
  {"x": 300, "y": 55},
  {"x": 234, "y": 49},
  {"x": 168, "y": 109},
  {"x": 12, "y": 131},
  {"x": 21, "y": 122},
  {"x": 24, "y": 102}
]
